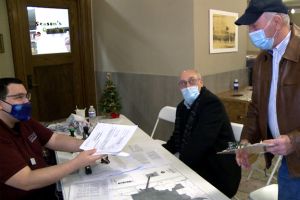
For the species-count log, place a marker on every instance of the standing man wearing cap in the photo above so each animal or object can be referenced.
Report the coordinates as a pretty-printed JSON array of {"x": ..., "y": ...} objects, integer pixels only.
[{"x": 274, "y": 114}]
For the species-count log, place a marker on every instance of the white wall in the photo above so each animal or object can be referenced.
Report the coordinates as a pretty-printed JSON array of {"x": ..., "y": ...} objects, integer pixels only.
[{"x": 6, "y": 60}]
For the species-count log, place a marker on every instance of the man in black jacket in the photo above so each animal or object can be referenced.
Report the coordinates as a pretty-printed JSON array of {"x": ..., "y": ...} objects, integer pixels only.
[{"x": 202, "y": 129}]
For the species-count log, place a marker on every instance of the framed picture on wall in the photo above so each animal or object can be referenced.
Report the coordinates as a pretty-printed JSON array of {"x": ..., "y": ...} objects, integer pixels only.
[{"x": 223, "y": 32}]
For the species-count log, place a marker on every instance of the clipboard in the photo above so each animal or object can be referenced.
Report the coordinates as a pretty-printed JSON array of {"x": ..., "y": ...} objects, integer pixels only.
[{"x": 249, "y": 148}]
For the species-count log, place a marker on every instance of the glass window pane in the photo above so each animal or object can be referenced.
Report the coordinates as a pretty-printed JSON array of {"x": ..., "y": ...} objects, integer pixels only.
[{"x": 49, "y": 30}]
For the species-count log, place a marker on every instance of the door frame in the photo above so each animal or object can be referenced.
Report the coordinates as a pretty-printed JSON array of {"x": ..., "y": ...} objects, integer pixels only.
[{"x": 85, "y": 41}]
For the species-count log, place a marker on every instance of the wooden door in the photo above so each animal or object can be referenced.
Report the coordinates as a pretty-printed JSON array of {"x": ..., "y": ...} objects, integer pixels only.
[{"x": 60, "y": 80}]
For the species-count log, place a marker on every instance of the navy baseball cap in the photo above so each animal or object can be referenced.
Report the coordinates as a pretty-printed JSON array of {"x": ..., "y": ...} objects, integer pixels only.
[{"x": 257, "y": 7}]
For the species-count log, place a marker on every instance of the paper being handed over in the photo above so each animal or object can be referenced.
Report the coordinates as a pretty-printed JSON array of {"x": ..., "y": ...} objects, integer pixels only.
[
  {"x": 109, "y": 138},
  {"x": 249, "y": 148}
]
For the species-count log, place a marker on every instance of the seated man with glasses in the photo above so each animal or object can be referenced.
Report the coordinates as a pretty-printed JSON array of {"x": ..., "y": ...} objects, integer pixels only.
[
  {"x": 24, "y": 174},
  {"x": 202, "y": 129}
]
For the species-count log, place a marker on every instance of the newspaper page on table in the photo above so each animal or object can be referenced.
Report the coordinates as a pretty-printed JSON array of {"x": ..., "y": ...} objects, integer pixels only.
[
  {"x": 109, "y": 138},
  {"x": 249, "y": 148}
]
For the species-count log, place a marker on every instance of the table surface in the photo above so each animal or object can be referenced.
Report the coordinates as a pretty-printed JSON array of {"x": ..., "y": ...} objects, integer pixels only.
[
  {"x": 243, "y": 94},
  {"x": 140, "y": 137}
]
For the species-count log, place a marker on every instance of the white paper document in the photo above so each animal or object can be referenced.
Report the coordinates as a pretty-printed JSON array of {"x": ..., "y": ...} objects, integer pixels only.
[
  {"x": 90, "y": 190},
  {"x": 109, "y": 138},
  {"x": 139, "y": 158},
  {"x": 117, "y": 166},
  {"x": 146, "y": 155}
]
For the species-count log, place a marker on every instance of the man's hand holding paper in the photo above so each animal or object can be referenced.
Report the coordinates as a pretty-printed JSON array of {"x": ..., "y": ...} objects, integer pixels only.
[
  {"x": 248, "y": 153},
  {"x": 109, "y": 138},
  {"x": 280, "y": 146},
  {"x": 86, "y": 158},
  {"x": 247, "y": 147}
]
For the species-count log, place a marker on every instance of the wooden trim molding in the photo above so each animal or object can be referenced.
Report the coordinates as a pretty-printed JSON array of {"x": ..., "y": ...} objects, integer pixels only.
[
  {"x": 86, "y": 41},
  {"x": 14, "y": 12}
]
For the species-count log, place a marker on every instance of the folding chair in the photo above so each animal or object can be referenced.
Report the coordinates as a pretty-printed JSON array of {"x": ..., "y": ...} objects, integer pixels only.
[
  {"x": 274, "y": 169},
  {"x": 269, "y": 192},
  {"x": 237, "y": 130},
  {"x": 167, "y": 113}
]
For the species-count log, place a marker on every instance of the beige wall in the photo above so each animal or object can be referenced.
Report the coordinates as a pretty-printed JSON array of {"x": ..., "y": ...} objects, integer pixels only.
[
  {"x": 161, "y": 37},
  {"x": 143, "y": 36},
  {"x": 6, "y": 61},
  {"x": 146, "y": 43},
  {"x": 208, "y": 63},
  {"x": 295, "y": 18}
]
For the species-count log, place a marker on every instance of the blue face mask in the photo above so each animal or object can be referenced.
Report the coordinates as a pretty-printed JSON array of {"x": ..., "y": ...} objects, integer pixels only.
[
  {"x": 260, "y": 40},
  {"x": 190, "y": 94},
  {"x": 21, "y": 112}
]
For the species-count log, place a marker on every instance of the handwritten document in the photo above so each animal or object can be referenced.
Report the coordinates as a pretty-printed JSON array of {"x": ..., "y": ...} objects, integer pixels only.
[{"x": 109, "y": 138}]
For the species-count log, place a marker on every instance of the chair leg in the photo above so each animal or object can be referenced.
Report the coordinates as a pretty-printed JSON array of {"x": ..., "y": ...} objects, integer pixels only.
[
  {"x": 274, "y": 170},
  {"x": 250, "y": 173},
  {"x": 255, "y": 167},
  {"x": 154, "y": 129},
  {"x": 235, "y": 198}
]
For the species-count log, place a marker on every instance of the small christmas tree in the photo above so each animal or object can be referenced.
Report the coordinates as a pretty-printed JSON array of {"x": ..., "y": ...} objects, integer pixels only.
[{"x": 110, "y": 101}]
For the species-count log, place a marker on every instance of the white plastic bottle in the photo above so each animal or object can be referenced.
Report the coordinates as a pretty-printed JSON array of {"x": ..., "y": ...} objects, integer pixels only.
[{"x": 92, "y": 112}]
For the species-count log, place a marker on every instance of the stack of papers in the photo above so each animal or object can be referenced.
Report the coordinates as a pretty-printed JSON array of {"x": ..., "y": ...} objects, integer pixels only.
[{"x": 109, "y": 138}]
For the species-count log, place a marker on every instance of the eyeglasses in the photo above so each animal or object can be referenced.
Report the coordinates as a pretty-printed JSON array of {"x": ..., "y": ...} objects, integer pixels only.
[
  {"x": 20, "y": 96},
  {"x": 192, "y": 81}
]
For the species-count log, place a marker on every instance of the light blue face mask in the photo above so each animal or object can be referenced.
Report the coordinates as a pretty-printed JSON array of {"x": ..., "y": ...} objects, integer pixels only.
[
  {"x": 259, "y": 39},
  {"x": 190, "y": 94}
]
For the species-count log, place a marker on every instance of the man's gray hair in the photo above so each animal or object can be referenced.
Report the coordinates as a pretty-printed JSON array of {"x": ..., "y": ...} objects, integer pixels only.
[
  {"x": 285, "y": 17},
  {"x": 193, "y": 71}
]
